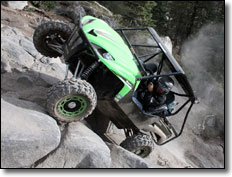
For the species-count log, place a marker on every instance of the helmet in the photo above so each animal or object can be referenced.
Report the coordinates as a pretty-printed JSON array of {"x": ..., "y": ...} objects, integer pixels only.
[{"x": 164, "y": 85}]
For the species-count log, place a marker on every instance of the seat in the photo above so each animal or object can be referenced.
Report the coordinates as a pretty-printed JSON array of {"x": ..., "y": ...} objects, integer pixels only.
[
  {"x": 150, "y": 67},
  {"x": 150, "y": 113}
]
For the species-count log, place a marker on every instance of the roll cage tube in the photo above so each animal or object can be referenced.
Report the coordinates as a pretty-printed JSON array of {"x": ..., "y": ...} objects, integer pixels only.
[
  {"x": 87, "y": 40},
  {"x": 168, "y": 58},
  {"x": 183, "y": 124},
  {"x": 174, "y": 66}
]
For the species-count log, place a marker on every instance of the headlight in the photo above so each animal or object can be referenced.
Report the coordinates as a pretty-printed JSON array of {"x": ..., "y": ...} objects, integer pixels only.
[
  {"x": 104, "y": 53},
  {"x": 107, "y": 56}
]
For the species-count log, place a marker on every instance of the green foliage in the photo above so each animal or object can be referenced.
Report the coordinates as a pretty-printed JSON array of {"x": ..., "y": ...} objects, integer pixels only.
[
  {"x": 45, "y": 5},
  {"x": 177, "y": 19},
  {"x": 134, "y": 13},
  {"x": 30, "y": 9},
  {"x": 147, "y": 13},
  {"x": 180, "y": 20},
  {"x": 140, "y": 12},
  {"x": 36, "y": 3}
]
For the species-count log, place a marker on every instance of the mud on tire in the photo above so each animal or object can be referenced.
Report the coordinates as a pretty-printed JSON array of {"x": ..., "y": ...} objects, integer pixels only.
[
  {"x": 75, "y": 91},
  {"x": 45, "y": 30},
  {"x": 140, "y": 144}
]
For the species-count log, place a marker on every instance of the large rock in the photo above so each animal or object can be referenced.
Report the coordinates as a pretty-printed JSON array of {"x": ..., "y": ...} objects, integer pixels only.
[
  {"x": 5, "y": 66},
  {"x": 205, "y": 155},
  {"x": 11, "y": 49},
  {"x": 122, "y": 158},
  {"x": 211, "y": 127},
  {"x": 27, "y": 85},
  {"x": 23, "y": 67},
  {"x": 71, "y": 10},
  {"x": 28, "y": 46},
  {"x": 13, "y": 33},
  {"x": 167, "y": 42},
  {"x": 80, "y": 148},
  {"x": 95, "y": 9},
  {"x": 26, "y": 135},
  {"x": 14, "y": 53},
  {"x": 15, "y": 4},
  {"x": 51, "y": 73}
]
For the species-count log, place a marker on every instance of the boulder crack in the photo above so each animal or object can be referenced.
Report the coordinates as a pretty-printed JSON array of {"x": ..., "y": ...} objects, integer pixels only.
[{"x": 63, "y": 129}]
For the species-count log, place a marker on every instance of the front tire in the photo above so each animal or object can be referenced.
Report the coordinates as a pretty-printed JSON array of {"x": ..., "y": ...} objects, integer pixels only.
[
  {"x": 50, "y": 33},
  {"x": 140, "y": 144},
  {"x": 71, "y": 100}
]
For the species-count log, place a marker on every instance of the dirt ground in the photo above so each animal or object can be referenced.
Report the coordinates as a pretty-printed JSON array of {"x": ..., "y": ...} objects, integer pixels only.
[{"x": 25, "y": 20}]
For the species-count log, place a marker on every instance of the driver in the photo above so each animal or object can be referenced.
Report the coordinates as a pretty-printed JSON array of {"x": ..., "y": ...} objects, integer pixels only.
[{"x": 156, "y": 94}]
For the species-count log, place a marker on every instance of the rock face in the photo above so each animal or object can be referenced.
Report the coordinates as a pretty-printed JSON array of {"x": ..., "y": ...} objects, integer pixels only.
[
  {"x": 210, "y": 127},
  {"x": 167, "y": 42},
  {"x": 80, "y": 148},
  {"x": 11, "y": 50},
  {"x": 23, "y": 67},
  {"x": 26, "y": 135},
  {"x": 72, "y": 11}
]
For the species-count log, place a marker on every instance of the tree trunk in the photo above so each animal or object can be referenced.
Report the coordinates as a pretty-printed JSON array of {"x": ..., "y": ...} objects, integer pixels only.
[{"x": 192, "y": 20}]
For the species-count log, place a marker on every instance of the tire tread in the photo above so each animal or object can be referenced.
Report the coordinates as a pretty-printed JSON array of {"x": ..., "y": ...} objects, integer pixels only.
[
  {"x": 66, "y": 87},
  {"x": 42, "y": 31},
  {"x": 138, "y": 140}
]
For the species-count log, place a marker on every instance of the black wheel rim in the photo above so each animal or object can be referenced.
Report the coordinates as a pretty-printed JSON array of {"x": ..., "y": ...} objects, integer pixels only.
[{"x": 55, "y": 42}]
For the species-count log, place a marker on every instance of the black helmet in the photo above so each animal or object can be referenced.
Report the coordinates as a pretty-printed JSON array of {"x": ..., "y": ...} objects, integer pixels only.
[{"x": 164, "y": 85}]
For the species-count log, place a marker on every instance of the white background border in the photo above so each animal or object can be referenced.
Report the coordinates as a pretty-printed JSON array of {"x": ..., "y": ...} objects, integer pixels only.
[{"x": 155, "y": 172}]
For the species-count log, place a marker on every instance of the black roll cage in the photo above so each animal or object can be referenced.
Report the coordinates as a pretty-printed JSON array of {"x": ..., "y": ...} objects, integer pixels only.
[{"x": 177, "y": 72}]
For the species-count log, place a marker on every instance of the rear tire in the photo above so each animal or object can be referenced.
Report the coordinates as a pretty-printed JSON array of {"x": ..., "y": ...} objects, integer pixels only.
[
  {"x": 71, "y": 100},
  {"x": 45, "y": 30},
  {"x": 140, "y": 144}
]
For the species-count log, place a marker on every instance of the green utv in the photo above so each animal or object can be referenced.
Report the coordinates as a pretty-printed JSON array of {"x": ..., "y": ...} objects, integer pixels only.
[{"x": 108, "y": 72}]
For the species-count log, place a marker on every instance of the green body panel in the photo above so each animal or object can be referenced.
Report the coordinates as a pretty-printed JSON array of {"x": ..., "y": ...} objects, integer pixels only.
[{"x": 123, "y": 65}]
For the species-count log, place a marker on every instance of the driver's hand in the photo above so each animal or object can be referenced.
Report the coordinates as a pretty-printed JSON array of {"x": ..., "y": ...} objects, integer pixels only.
[{"x": 150, "y": 87}]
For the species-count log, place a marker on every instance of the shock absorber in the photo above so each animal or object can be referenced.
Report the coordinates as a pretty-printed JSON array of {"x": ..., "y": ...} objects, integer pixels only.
[{"x": 85, "y": 75}]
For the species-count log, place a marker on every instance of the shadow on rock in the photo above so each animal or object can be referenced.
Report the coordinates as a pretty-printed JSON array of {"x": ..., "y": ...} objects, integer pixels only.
[{"x": 26, "y": 86}]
